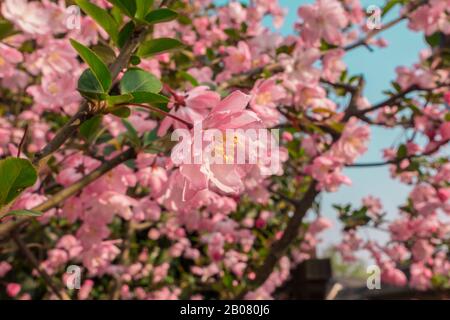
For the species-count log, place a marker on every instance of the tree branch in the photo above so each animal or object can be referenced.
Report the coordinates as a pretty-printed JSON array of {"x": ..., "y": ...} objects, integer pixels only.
[
  {"x": 280, "y": 247},
  {"x": 398, "y": 160},
  {"x": 8, "y": 227}
]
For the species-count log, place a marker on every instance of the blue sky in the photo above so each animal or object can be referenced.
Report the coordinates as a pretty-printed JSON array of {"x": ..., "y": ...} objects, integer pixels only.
[{"x": 378, "y": 68}]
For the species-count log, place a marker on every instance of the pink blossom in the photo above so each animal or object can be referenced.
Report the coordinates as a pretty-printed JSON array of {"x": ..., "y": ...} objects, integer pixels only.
[
  {"x": 230, "y": 113},
  {"x": 373, "y": 206},
  {"x": 13, "y": 289},
  {"x": 99, "y": 257},
  {"x": 85, "y": 290},
  {"x": 57, "y": 57},
  {"x": 431, "y": 17},
  {"x": 327, "y": 171},
  {"x": 5, "y": 267},
  {"x": 319, "y": 225},
  {"x": 420, "y": 276},
  {"x": 393, "y": 276},
  {"x": 417, "y": 76},
  {"x": 323, "y": 20},
  {"x": 192, "y": 107},
  {"x": 422, "y": 250},
  {"x": 265, "y": 96},
  {"x": 238, "y": 59},
  {"x": 31, "y": 17},
  {"x": 444, "y": 131},
  {"x": 75, "y": 168},
  {"x": 55, "y": 92},
  {"x": 9, "y": 57},
  {"x": 401, "y": 230},
  {"x": 333, "y": 65},
  {"x": 353, "y": 142},
  {"x": 160, "y": 272}
]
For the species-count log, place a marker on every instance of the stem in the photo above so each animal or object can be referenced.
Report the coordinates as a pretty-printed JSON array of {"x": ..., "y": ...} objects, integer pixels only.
[
  {"x": 22, "y": 141},
  {"x": 155, "y": 109},
  {"x": 373, "y": 33}
]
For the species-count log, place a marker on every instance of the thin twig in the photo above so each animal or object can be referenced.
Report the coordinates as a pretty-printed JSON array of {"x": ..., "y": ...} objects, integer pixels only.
[
  {"x": 155, "y": 109},
  {"x": 22, "y": 141},
  {"x": 398, "y": 160},
  {"x": 59, "y": 292}
]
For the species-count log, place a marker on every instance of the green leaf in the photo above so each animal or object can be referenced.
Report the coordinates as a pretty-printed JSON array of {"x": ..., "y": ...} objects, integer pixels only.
[
  {"x": 135, "y": 60},
  {"x": 188, "y": 77},
  {"x": 150, "y": 137},
  {"x": 89, "y": 128},
  {"x": 148, "y": 97},
  {"x": 121, "y": 112},
  {"x": 101, "y": 16},
  {"x": 160, "y": 15},
  {"x": 90, "y": 87},
  {"x": 126, "y": 6},
  {"x": 132, "y": 134},
  {"x": 125, "y": 33},
  {"x": 123, "y": 98},
  {"x": 99, "y": 69},
  {"x": 142, "y": 7},
  {"x": 104, "y": 52},
  {"x": 15, "y": 175},
  {"x": 139, "y": 80},
  {"x": 158, "y": 46},
  {"x": 447, "y": 116},
  {"x": 6, "y": 29},
  {"x": 22, "y": 213},
  {"x": 434, "y": 40},
  {"x": 402, "y": 152},
  {"x": 389, "y": 6}
]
